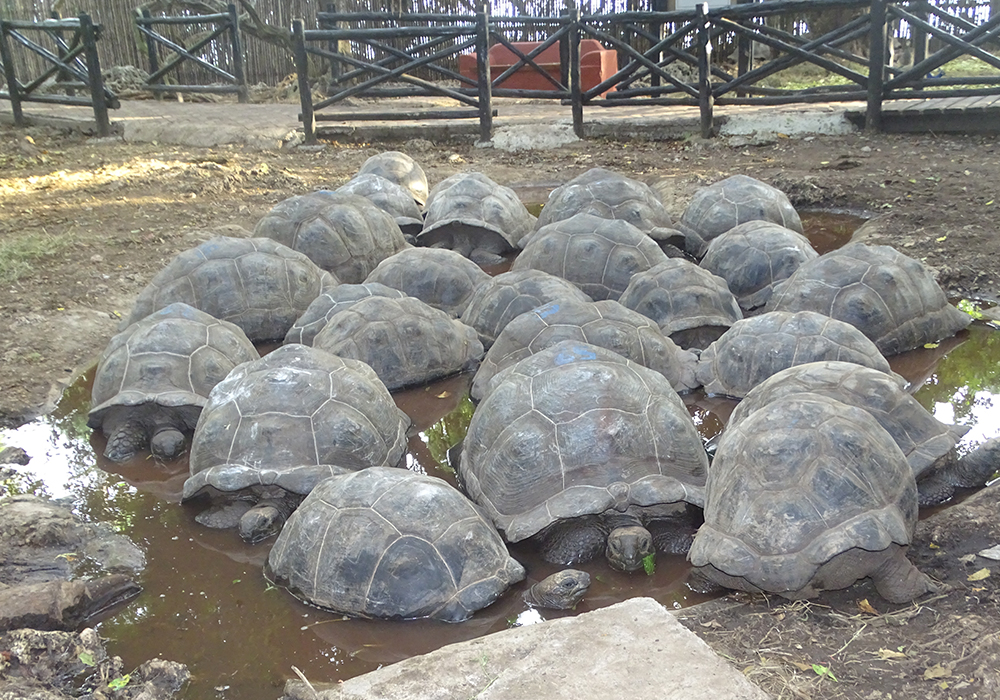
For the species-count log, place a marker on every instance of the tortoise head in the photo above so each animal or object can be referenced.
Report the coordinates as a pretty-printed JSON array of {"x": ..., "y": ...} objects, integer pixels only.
[{"x": 628, "y": 546}]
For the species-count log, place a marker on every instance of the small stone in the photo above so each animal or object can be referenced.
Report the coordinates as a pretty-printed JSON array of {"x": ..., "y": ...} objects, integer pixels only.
[
  {"x": 866, "y": 149},
  {"x": 991, "y": 553},
  {"x": 455, "y": 158},
  {"x": 96, "y": 258}
]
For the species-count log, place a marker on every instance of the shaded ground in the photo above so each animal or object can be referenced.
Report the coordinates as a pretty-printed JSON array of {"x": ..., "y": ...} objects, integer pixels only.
[{"x": 85, "y": 224}]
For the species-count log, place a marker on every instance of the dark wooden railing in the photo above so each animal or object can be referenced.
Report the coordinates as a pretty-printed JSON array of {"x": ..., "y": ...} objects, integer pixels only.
[
  {"x": 73, "y": 63},
  {"x": 222, "y": 39},
  {"x": 665, "y": 58}
]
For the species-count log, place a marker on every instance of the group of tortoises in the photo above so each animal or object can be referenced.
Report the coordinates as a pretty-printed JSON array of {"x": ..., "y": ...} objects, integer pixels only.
[{"x": 580, "y": 439}]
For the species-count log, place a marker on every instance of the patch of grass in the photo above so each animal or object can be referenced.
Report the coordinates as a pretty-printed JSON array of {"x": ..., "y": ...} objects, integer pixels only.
[
  {"x": 968, "y": 66},
  {"x": 18, "y": 255}
]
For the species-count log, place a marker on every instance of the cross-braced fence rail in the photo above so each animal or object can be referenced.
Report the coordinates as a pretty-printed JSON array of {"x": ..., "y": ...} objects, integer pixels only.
[
  {"x": 72, "y": 63},
  {"x": 663, "y": 58}
]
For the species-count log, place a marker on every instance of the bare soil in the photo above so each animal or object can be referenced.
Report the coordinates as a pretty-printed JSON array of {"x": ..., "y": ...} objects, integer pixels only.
[{"x": 94, "y": 220}]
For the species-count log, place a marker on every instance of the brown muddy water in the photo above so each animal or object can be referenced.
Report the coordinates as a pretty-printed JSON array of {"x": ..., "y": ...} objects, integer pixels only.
[{"x": 207, "y": 604}]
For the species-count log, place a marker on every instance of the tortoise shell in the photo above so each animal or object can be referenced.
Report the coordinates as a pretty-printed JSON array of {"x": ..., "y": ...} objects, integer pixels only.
[
  {"x": 756, "y": 348},
  {"x": 495, "y": 304},
  {"x": 344, "y": 234},
  {"x": 922, "y": 438},
  {"x": 258, "y": 284},
  {"x": 471, "y": 211},
  {"x": 404, "y": 340},
  {"x": 390, "y": 543},
  {"x": 606, "y": 324},
  {"x": 292, "y": 418},
  {"x": 390, "y": 198},
  {"x": 323, "y": 308},
  {"x": 754, "y": 256},
  {"x": 891, "y": 298},
  {"x": 401, "y": 169},
  {"x": 578, "y": 430},
  {"x": 600, "y": 256},
  {"x": 740, "y": 198},
  {"x": 793, "y": 485},
  {"x": 438, "y": 277},
  {"x": 690, "y": 304},
  {"x": 609, "y": 195}
]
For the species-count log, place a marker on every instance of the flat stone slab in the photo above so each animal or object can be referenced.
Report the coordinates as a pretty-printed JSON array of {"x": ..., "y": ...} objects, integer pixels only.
[{"x": 635, "y": 649}]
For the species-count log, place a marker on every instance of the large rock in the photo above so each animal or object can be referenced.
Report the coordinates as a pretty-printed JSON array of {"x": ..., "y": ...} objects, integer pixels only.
[{"x": 635, "y": 649}]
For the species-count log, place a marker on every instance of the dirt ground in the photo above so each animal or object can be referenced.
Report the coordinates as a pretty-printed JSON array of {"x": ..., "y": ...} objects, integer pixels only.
[{"x": 84, "y": 225}]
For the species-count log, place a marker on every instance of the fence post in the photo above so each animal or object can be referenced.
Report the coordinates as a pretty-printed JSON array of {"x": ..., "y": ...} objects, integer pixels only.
[
  {"x": 333, "y": 46},
  {"x": 919, "y": 35},
  {"x": 744, "y": 57},
  {"x": 63, "y": 75},
  {"x": 876, "y": 66},
  {"x": 241, "y": 80},
  {"x": 302, "y": 71},
  {"x": 575, "y": 88},
  {"x": 94, "y": 78},
  {"x": 151, "y": 52},
  {"x": 9, "y": 76},
  {"x": 657, "y": 30},
  {"x": 705, "y": 99},
  {"x": 484, "y": 78}
]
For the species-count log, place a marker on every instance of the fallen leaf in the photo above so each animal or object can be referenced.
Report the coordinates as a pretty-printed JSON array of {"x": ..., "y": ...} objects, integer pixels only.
[
  {"x": 444, "y": 395},
  {"x": 866, "y": 607},
  {"x": 941, "y": 238},
  {"x": 932, "y": 545},
  {"x": 979, "y": 575},
  {"x": 889, "y": 655},
  {"x": 712, "y": 624},
  {"x": 801, "y": 666},
  {"x": 931, "y": 346},
  {"x": 988, "y": 203},
  {"x": 936, "y": 671}
]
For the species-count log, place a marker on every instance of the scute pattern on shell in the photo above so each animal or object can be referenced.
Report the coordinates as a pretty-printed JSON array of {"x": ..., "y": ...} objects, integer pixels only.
[
  {"x": 404, "y": 340},
  {"x": 495, "y": 304},
  {"x": 258, "y": 284},
  {"x": 473, "y": 205},
  {"x": 607, "y": 195},
  {"x": 294, "y": 416},
  {"x": 680, "y": 296},
  {"x": 326, "y": 305},
  {"x": 390, "y": 198},
  {"x": 600, "y": 256},
  {"x": 890, "y": 297},
  {"x": 740, "y": 198},
  {"x": 606, "y": 324},
  {"x": 171, "y": 358},
  {"x": 577, "y": 430},
  {"x": 922, "y": 438},
  {"x": 438, "y": 277},
  {"x": 344, "y": 234},
  {"x": 795, "y": 484},
  {"x": 390, "y": 543},
  {"x": 756, "y": 348},
  {"x": 754, "y": 256},
  {"x": 400, "y": 168}
]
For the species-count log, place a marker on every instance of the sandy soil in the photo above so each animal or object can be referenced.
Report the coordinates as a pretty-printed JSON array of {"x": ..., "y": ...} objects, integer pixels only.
[{"x": 85, "y": 224}]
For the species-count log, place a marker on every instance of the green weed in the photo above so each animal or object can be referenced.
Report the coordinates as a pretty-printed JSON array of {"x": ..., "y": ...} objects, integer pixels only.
[{"x": 18, "y": 255}]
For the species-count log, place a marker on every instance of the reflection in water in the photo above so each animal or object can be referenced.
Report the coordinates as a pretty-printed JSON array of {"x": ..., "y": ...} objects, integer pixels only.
[{"x": 206, "y": 603}]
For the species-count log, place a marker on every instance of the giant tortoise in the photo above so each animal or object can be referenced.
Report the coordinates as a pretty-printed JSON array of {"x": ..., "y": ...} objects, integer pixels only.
[
  {"x": 277, "y": 426},
  {"x": 154, "y": 378},
  {"x": 584, "y": 449},
  {"x": 890, "y": 297},
  {"x": 390, "y": 543},
  {"x": 345, "y": 234},
  {"x": 809, "y": 494},
  {"x": 257, "y": 283}
]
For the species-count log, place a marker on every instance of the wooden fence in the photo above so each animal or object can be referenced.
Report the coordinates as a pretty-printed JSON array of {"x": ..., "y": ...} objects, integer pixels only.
[
  {"x": 121, "y": 44},
  {"x": 657, "y": 70}
]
